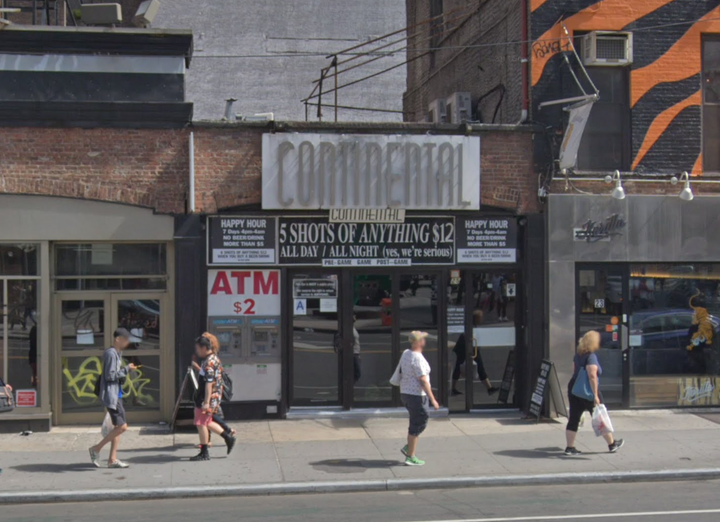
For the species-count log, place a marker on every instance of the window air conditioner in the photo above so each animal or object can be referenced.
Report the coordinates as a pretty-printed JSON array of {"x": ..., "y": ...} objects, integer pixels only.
[
  {"x": 459, "y": 107},
  {"x": 607, "y": 48},
  {"x": 437, "y": 112}
]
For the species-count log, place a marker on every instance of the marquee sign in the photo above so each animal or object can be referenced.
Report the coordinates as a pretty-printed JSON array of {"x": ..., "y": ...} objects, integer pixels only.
[{"x": 370, "y": 171}]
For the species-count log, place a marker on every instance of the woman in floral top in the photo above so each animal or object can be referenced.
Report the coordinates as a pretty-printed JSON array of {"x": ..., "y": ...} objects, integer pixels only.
[{"x": 208, "y": 394}]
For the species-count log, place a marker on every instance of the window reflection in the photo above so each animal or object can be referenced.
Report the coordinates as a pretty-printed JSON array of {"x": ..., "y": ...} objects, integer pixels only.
[{"x": 675, "y": 315}]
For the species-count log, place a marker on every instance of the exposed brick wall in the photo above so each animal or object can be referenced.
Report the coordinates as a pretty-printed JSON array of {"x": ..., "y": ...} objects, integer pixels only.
[
  {"x": 228, "y": 168},
  {"x": 150, "y": 168},
  {"x": 508, "y": 179},
  {"x": 476, "y": 70},
  {"x": 138, "y": 167}
]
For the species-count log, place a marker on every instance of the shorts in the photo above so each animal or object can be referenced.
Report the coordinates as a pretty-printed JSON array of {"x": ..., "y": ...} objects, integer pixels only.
[
  {"x": 117, "y": 416},
  {"x": 202, "y": 419},
  {"x": 417, "y": 407}
]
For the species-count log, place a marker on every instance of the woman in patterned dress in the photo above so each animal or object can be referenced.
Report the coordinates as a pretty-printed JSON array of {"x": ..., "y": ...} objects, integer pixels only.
[{"x": 208, "y": 394}]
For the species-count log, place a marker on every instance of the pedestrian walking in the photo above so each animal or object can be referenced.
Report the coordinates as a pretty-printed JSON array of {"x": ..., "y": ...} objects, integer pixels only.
[
  {"x": 218, "y": 417},
  {"x": 111, "y": 380},
  {"x": 415, "y": 392},
  {"x": 208, "y": 395},
  {"x": 586, "y": 360}
]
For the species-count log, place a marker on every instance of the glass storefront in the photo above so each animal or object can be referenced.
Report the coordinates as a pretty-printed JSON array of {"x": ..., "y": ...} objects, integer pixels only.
[
  {"x": 90, "y": 304},
  {"x": 19, "y": 319},
  {"x": 673, "y": 334}
]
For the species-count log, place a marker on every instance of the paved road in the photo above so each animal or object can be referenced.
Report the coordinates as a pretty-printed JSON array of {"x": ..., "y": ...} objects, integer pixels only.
[{"x": 650, "y": 502}]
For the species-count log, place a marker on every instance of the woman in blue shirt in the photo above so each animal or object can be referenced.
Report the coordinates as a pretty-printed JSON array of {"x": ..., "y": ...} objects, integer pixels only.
[{"x": 586, "y": 358}]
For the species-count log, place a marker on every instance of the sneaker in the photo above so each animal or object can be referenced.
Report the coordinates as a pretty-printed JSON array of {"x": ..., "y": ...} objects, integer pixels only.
[
  {"x": 455, "y": 393},
  {"x": 404, "y": 450},
  {"x": 572, "y": 451},
  {"x": 118, "y": 464},
  {"x": 94, "y": 457},
  {"x": 493, "y": 390},
  {"x": 619, "y": 443},
  {"x": 414, "y": 461}
]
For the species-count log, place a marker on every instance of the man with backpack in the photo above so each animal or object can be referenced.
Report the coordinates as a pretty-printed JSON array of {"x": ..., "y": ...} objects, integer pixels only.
[{"x": 110, "y": 394}]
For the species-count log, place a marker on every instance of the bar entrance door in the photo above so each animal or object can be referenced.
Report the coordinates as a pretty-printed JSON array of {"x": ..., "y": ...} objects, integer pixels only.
[{"x": 482, "y": 306}]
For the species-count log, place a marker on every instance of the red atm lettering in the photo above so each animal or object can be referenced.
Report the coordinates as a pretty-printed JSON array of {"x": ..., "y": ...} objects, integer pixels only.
[
  {"x": 261, "y": 285},
  {"x": 265, "y": 286}
]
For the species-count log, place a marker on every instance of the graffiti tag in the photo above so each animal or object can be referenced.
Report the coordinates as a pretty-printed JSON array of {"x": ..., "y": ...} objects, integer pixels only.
[
  {"x": 547, "y": 48},
  {"x": 81, "y": 383}
]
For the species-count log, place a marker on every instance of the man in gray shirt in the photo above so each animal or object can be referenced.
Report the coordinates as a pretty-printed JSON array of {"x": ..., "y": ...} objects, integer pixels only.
[{"x": 111, "y": 396}]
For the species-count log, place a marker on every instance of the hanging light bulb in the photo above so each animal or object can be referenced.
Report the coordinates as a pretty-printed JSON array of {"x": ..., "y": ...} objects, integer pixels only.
[
  {"x": 618, "y": 192},
  {"x": 686, "y": 194}
]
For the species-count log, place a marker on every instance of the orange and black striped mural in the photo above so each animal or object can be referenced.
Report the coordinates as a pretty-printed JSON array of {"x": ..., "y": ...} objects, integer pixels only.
[{"x": 665, "y": 77}]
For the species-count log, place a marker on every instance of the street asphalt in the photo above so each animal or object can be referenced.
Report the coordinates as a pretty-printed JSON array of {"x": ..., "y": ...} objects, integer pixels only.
[{"x": 647, "y": 502}]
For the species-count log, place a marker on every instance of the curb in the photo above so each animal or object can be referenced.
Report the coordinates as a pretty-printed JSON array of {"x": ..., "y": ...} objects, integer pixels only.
[{"x": 356, "y": 486}]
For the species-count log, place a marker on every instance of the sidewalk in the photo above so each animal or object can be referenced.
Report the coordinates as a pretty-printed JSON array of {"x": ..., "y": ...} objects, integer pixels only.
[{"x": 326, "y": 450}]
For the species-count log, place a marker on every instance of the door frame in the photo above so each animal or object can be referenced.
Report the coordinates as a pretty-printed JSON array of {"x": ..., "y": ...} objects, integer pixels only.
[
  {"x": 288, "y": 329},
  {"x": 468, "y": 274},
  {"x": 624, "y": 270},
  {"x": 110, "y": 299}
]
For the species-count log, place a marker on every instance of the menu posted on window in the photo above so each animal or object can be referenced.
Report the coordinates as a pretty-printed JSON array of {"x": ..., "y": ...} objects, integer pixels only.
[
  {"x": 487, "y": 240},
  {"x": 241, "y": 240}
]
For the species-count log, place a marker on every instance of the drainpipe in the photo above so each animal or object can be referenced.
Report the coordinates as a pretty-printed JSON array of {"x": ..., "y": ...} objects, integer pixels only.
[
  {"x": 524, "y": 61},
  {"x": 191, "y": 198}
]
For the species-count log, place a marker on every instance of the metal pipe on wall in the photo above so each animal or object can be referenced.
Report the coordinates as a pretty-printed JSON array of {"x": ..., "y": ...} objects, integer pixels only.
[{"x": 191, "y": 196}]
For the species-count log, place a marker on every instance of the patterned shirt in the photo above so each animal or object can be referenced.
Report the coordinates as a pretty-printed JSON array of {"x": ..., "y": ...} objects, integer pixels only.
[
  {"x": 210, "y": 372},
  {"x": 413, "y": 366}
]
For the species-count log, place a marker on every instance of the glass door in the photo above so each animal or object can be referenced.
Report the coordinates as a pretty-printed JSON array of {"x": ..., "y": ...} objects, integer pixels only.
[
  {"x": 141, "y": 315},
  {"x": 601, "y": 305},
  {"x": 418, "y": 309},
  {"x": 82, "y": 332},
  {"x": 372, "y": 340},
  {"x": 84, "y": 323},
  {"x": 485, "y": 304},
  {"x": 315, "y": 339}
]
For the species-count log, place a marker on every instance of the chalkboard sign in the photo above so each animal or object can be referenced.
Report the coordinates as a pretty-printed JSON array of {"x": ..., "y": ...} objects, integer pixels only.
[
  {"x": 547, "y": 380},
  {"x": 508, "y": 376}
]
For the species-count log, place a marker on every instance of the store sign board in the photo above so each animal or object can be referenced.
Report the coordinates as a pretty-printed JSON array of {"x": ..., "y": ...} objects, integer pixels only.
[
  {"x": 592, "y": 231},
  {"x": 243, "y": 292},
  {"x": 487, "y": 240},
  {"x": 241, "y": 240},
  {"x": 305, "y": 171},
  {"x": 316, "y": 241}
]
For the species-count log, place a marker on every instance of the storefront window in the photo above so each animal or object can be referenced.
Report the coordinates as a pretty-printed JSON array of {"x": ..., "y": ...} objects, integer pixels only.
[
  {"x": 110, "y": 266},
  {"x": 19, "y": 323},
  {"x": 674, "y": 319}
]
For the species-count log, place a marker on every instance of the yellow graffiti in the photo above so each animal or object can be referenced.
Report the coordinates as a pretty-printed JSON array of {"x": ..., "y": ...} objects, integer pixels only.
[{"x": 81, "y": 384}]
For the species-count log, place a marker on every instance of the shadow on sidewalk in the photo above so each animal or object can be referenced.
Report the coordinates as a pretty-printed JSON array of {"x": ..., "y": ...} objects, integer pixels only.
[
  {"x": 353, "y": 465},
  {"x": 54, "y": 468},
  {"x": 539, "y": 453},
  {"x": 153, "y": 459}
]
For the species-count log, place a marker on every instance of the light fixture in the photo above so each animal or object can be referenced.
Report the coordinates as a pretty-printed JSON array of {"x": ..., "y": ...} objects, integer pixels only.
[
  {"x": 618, "y": 192},
  {"x": 686, "y": 194}
]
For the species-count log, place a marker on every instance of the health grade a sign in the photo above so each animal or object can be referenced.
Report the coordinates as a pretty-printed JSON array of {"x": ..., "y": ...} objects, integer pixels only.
[
  {"x": 304, "y": 171},
  {"x": 243, "y": 292}
]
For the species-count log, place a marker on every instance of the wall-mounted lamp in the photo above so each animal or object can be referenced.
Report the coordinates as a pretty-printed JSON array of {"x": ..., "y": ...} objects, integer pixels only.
[
  {"x": 618, "y": 192},
  {"x": 686, "y": 194}
]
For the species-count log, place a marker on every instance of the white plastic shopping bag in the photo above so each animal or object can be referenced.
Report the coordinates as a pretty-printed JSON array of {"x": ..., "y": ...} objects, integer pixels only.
[
  {"x": 601, "y": 422},
  {"x": 107, "y": 426}
]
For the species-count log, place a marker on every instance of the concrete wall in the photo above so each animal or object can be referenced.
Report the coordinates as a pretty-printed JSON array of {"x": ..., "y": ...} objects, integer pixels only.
[{"x": 272, "y": 30}]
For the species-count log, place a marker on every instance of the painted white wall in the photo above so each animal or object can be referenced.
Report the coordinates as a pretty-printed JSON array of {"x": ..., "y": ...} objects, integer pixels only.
[{"x": 280, "y": 27}]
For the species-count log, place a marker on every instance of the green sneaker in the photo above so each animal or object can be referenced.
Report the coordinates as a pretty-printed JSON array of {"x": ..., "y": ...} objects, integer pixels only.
[
  {"x": 404, "y": 450},
  {"x": 414, "y": 461}
]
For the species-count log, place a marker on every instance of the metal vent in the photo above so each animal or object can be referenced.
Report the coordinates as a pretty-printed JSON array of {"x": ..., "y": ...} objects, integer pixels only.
[{"x": 611, "y": 48}]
